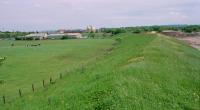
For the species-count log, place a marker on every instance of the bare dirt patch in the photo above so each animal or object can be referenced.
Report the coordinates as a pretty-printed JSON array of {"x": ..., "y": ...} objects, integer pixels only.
[
  {"x": 133, "y": 62},
  {"x": 193, "y": 41},
  {"x": 137, "y": 59}
]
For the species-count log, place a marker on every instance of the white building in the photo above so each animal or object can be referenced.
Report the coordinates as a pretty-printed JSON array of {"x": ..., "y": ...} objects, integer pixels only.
[
  {"x": 69, "y": 35},
  {"x": 74, "y": 35},
  {"x": 55, "y": 36},
  {"x": 38, "y": 36},
  {"x": 61, "y": 31}
]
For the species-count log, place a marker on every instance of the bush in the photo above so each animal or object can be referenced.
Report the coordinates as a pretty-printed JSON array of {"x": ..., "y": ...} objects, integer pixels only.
[
  {"x": 137, "y": 31},
  {"x": 37, "y": 38},
  {"x": 67, "y": 37},
  {"x": 91, "y": 35},
  {"x": 18, "y": 38},
  {"x": 29, "y": 38},
  {"x": 192, "y": 28},
  {"x": 119, "y": 40}
]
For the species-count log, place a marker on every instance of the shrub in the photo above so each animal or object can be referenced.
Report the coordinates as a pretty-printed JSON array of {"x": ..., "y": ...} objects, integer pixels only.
[
  {"x": 65, "y": 37},
  {"x": 137, "y": 31}
]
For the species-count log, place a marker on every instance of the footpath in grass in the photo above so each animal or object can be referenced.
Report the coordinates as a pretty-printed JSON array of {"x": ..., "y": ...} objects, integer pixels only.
[{"x": 145, "y": 71}]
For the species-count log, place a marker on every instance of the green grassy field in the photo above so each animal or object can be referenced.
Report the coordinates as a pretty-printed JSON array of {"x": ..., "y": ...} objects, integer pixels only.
[
  {"x": 25, "y": 66},
  {"x": 144, "y": 71}
]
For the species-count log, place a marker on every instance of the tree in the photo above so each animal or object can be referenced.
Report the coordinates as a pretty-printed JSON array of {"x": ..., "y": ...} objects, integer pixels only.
[
  {"x": 65, "y": 37},
  {"x": 91, "y": 35}
]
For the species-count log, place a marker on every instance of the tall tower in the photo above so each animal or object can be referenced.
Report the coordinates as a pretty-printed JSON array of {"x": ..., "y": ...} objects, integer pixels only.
[{"x": 91, "y": 29}]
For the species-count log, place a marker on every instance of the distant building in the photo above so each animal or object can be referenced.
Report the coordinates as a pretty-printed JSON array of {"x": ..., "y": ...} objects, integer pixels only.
[
  {"x": 69, "y": 35},
  {"x": 51, "y": 35},
  {"x": 74, "y": 35},
  {"x": 61, "y": 31},
  {"x": 91, "y": 29},
  {"x": 56, "y": 36},
  {"x": 36, "y": 36}
]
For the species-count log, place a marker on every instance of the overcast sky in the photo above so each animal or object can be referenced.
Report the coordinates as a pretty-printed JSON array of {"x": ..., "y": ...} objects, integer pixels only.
[{"x": 25, "y": 15}]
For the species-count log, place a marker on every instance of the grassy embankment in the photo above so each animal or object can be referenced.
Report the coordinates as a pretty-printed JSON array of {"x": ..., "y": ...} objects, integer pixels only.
[{"x": 143, "y": 72}]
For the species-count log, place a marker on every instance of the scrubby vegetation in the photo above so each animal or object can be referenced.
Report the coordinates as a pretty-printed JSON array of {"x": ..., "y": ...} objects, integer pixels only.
[
  {"x": 143, "y": 29},
  {"x": 12, "y": 34}
]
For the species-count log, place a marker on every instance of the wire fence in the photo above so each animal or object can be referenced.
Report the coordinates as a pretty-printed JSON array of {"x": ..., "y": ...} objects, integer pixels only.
[
  {"x": 45, "y": 83},
  {"x": 6, "y": 98}
]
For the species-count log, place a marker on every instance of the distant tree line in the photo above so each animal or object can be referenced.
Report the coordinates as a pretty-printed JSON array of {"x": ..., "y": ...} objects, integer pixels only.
[
  {"x": 142, "y": 29},
  {"x": 114, "y": 31},
  {"x": 8, "y": 34}
]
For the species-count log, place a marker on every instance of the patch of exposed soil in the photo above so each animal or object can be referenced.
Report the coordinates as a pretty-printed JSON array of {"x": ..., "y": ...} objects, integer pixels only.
[
  {"x": 133, "y": 61},
  {"x": 137, "y": 59},
  {"x": 193, "y": 41},
  {"x": 191, "y": 38}
]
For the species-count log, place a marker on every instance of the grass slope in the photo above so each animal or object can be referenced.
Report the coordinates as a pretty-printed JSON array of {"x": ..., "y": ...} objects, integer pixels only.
[
  {"x": 143, "y": 72},
  {"x": 25, "y": 66}
]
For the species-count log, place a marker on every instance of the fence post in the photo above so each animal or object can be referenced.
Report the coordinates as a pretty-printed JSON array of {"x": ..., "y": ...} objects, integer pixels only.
[
  {"x": 82, "y": 68},
  {"x": 43, "y": 83},
  {"x": 4, "y": 99},
  {"x": 20, "y": 93},
  {"x": 50, "y": 80},
  {"x": 49, "y": 100},
  {"x": 33, "y": 88},
  {"x": 60, "y": 75}
]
